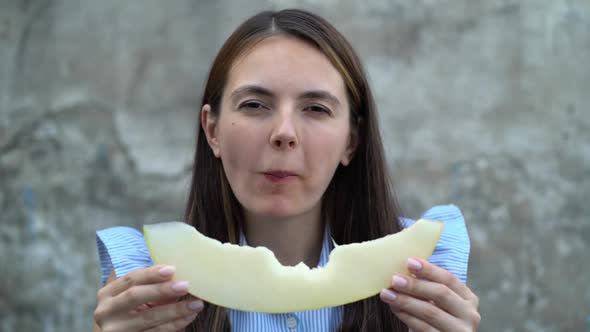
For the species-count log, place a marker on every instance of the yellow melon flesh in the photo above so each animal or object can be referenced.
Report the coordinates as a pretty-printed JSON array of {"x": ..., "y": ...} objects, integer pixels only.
[{"x": 251, "y": 279}]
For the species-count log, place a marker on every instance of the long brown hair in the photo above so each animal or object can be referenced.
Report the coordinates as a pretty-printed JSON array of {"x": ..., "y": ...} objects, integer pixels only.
[{"x": 359, "y": 203}]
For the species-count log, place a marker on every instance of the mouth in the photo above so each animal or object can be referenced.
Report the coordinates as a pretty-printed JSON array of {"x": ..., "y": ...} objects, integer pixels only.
[{"x": 280, "y": 176}]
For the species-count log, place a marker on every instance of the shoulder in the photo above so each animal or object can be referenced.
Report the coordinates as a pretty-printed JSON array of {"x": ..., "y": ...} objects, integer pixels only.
[
  {"x": 452, "y": 250},
  {"x": 121, "y": 249}
]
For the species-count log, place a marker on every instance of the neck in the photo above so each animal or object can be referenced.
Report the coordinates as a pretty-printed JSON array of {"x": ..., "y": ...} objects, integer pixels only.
[{"x": 292, "y": 240}]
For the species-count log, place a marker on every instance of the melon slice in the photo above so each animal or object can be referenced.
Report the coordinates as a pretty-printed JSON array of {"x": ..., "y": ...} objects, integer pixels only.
[{"x": 251, "y": 279}]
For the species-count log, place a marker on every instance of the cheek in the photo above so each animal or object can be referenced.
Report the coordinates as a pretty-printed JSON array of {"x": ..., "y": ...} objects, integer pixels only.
[
  {"x": 324, "y": 153},
  {"x": 326, "y": 148},
  {"x": 234, "y": 152}
]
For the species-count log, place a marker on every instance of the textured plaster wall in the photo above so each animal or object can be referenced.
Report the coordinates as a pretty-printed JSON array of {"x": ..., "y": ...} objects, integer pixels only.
[{"x": 484, "y": 104}]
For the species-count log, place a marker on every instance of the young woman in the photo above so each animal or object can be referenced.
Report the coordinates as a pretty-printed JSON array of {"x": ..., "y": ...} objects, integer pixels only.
[{"x": 289, "y": 156}]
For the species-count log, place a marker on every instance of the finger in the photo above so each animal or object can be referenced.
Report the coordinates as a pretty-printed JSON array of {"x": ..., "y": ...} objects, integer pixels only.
[
  {"x": 150, "y": 275},
  {"x": 425, "y": 311},
  {"x": 163, "y": 301},
  {"x": 427, "y": 290},
  {"x": 426, "y": 270},
  {"x": 162, "y": 315},
  {"x": 141, "y": 294},
  {"x": 174, "y": 325},
  {"x": 413, "y": 323}
]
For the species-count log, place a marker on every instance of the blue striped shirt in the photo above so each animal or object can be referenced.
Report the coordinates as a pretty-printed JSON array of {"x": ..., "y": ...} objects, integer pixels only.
[{"x": 123, "y": 250}]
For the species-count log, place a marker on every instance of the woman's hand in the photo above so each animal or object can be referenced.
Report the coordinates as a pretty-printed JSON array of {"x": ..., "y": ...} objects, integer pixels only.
[
  {"x": 433, "y": 299},
  {"x": 145, "y": 300}
]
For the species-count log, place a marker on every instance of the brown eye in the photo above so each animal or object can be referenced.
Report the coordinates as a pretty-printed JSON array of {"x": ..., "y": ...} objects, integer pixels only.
[
  {"x": 251, "y": 105},
  {"x": 316, "y": 109}
]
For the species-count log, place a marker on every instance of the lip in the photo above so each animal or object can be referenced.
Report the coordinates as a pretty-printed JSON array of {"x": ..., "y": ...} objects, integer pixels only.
[{"x": 280, "y": 175}]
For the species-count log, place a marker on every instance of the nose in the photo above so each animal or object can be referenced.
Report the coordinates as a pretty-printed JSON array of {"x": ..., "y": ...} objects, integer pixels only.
[{"x": 284, "y": 134}]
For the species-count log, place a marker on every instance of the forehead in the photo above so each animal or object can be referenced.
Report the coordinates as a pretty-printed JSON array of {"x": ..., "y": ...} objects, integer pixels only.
[{"x": 286, "y": 64}]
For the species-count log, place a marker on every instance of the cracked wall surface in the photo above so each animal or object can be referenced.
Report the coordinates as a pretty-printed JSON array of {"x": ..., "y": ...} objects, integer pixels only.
[{"x": 484, "y": 104}]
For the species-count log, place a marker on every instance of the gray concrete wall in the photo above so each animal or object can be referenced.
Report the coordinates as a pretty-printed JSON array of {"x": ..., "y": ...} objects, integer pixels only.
[{"x": 484, "y": 104}]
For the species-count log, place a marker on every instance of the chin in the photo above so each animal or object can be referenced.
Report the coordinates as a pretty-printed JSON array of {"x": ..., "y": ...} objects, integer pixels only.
[
  {"x": 277, "y": 207},
  {"x": 275, "y": 210},
  {"x": 275, "y": 213}
]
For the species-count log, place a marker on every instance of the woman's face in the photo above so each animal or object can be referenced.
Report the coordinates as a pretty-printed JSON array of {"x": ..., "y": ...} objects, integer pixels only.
[{"x": 283, "y": 128}]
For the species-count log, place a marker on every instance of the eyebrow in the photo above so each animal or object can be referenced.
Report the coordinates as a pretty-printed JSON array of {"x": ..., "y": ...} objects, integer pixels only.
[{"x": 258, "y": 90}]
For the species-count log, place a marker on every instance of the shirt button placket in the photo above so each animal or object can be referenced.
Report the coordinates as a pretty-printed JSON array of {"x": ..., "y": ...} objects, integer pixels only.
[{"x": 292, "y": 323}]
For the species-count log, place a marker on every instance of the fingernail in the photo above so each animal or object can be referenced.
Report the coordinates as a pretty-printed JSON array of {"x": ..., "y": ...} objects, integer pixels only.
[
  {"x": 414, "y": 264},
  {"x": 180, "y": 286},
  {"x": 399, "y": 281},
  {"x": 389, "y": 295},
  {"x": 167, "y": 271},
  {"x": 190, "y": 317},
  {"x": 195, "y": 305}
]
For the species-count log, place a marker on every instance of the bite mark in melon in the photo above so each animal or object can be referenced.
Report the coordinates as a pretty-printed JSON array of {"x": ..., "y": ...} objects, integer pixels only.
[{"x": 252, "y": 279}]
